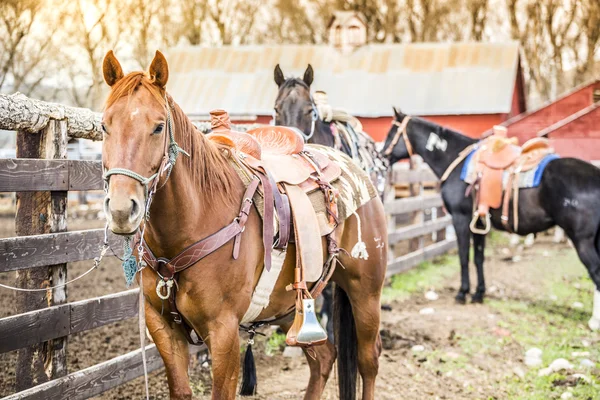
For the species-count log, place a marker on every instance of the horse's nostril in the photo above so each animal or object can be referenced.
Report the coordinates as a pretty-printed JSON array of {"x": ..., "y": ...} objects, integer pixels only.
[
  {"x": 106, "y": 203},
  {"x": 135, "y": 208}
]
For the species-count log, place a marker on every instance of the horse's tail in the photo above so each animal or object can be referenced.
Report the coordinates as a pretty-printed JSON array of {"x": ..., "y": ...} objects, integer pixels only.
[{"x": 346, "y": 343}]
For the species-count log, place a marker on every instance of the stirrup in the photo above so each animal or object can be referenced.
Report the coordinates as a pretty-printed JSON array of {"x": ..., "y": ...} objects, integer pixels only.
[
  {"x": 486, "y": 226},
  {"x": 306, "y": 330}
]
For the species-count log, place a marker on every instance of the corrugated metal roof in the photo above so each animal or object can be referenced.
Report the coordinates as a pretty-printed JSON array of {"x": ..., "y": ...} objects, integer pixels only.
[{"x": 421, "y": 79}]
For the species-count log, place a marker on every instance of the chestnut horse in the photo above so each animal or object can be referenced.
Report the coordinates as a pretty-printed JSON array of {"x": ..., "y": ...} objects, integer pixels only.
[{"x": 198, "y": 196}]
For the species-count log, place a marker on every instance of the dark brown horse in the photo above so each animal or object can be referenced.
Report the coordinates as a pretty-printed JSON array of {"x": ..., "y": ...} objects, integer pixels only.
[{"x": 199, "y": 197}]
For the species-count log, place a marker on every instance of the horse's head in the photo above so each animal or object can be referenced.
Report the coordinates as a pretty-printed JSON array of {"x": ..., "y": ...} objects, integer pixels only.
[
  {"x": 397, "y": 146},
  {"x": 135, "y": 139},
  {"x": 294, "y": 105}
]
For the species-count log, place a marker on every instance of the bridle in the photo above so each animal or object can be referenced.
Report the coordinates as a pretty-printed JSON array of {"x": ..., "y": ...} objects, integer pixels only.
[
  {"x": 400, "y": 132},
  {"x": 150, "y": 184},
  {"x": 314, "y": 119}
]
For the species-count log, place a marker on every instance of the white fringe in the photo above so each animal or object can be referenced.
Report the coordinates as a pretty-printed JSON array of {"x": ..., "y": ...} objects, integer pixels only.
[{"x": 360, "y": 248}]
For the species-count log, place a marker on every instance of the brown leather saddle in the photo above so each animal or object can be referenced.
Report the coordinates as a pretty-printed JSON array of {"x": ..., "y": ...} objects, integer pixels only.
[
  {"x": 496, "y": 155},
  {"x": 288, "y": 172}
]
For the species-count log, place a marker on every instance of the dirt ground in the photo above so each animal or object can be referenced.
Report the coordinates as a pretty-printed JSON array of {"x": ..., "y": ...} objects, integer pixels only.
[{"x": 542, "y": 298}]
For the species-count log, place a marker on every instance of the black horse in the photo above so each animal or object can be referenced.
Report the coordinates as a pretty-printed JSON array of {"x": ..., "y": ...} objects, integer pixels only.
[{"x": 568, "y": 196}]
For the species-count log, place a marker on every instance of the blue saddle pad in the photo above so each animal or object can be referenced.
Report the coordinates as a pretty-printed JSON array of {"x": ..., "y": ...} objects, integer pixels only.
[{"x": 528, "y": 179}]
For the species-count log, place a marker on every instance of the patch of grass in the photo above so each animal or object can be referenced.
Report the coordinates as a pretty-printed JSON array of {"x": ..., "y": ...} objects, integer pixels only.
[
  {"x": 548, "y": 321},
  {"x": 425, "y": 275},
  {"x": 275, "y": 344},
  {"x": 497, "y": 239}
]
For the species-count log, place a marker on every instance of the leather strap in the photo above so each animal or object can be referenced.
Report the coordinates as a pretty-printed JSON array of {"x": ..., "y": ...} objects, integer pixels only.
[
  {"x": 401, "y": 131},
  {"x": 506, "y": 202},
  {"x": 168, "y": 269},
  {"x": 202, "y": 248},
  {"x": 461, "y": 156}
]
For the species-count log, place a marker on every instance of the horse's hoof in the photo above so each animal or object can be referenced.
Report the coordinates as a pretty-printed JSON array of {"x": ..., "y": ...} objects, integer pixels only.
[
  {"x": 477, "y": 298},
  {"x": 594, "y": 323},
  {"x": 461, "y": 298}
]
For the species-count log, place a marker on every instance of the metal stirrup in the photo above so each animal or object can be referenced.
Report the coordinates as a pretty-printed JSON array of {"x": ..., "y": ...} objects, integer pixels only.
[{"x": 486, "y": 226}]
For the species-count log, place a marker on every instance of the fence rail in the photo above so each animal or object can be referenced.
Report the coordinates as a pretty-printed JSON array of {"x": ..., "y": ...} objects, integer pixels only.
[{"x": 51, "y": 247}]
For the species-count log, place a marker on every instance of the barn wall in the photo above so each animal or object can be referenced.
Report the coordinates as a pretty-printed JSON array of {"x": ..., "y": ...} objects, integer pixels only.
[
  {"x": 587, "y": 149},
  {"x": 586, "y": 126},
  {"x": 527, "y": 126}
]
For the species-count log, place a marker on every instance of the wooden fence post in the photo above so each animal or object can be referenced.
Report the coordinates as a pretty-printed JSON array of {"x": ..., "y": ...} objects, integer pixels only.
[{"x": 38, "y": 213}]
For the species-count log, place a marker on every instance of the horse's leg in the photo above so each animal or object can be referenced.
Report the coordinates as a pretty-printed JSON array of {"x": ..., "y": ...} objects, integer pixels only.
[
  {"x": 588, "y": 254},
  {"x": 223, "y": 342},
  {"x": 366, "y": 311},
  {"x": 479, "y": 248},
  {"x": 320, "y": 361},
  {"x": 173, "y": 348},
  {"x": 463, "y": 238}
]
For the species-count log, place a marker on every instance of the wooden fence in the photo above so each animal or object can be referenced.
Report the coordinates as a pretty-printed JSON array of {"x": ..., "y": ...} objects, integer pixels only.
[{"x": 39, "y": 254}]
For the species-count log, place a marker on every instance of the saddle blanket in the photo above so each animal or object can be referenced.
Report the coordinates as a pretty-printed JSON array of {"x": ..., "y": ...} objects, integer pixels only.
[
  {"x": 354, "y": 187},
  {"x": 527, "y": 179}
]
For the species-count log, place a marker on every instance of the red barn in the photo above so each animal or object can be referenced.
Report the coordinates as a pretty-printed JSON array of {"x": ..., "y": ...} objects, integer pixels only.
[
  {"x": 466, "y": 86},
  {"x": 571, "y": 122}
]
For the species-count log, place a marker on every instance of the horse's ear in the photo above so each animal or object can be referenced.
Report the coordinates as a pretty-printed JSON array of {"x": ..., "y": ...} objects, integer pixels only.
[
  {"x": 398, "y": 114},
  {"x": 308, "y": 75},
  {"x": 159, "y": 70},
  {"x": 111, "y": 68},
  {"x": 279, "y": 78}
]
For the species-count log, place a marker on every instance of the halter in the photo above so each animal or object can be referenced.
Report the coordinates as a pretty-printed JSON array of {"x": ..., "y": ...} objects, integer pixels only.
[
  {"x": 314, "y": 119},
  {"x": 171, "y": 151},
  {"x": 401, "y": 131}
]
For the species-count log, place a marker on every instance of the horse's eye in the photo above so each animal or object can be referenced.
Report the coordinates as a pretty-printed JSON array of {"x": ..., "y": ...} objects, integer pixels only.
[
  {"x": 158, "y": 129},
  {"x": 276, "y": 110},
  {"x": 104, "y": 128}
]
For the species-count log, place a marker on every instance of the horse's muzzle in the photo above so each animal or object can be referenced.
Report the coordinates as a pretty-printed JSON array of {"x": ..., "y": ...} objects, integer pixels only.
[{"x": 123, "y": 213}]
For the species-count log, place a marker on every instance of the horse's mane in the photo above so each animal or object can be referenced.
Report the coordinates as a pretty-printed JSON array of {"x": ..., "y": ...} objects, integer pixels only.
[{"x": 208, "y": 162}]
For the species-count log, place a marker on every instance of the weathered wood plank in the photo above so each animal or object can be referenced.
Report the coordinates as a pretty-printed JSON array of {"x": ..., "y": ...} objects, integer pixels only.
[
  {"x": 412, "y": 231},
  {"x": 33, "y": 327},
  {"x": 34, "y": 251},
  {"x": 408, "y": 261},
  {"x": 85, "y": 175},
  {"x": 37, "y": 326},
  {"x": 409, "y": 204},
  {"x": 423, "y": 174},
  {"x": 94, "y": 380},
  {"x": 93, "y": 313},
  {"x": 25, "y": 175},
  {"x": 22, "y": 175}
]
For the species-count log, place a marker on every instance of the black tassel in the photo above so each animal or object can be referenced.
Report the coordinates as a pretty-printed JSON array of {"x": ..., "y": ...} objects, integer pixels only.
[{"x": 249, "y": 374}]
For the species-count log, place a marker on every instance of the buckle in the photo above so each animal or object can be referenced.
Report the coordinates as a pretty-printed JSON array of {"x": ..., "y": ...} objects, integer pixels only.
[{"x": 176, "y": 317}]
